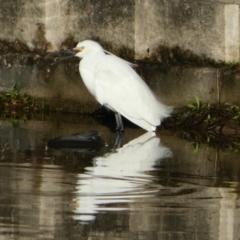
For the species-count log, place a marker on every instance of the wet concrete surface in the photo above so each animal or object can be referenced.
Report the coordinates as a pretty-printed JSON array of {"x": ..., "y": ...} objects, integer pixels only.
[{"x": 153, "y": 187}]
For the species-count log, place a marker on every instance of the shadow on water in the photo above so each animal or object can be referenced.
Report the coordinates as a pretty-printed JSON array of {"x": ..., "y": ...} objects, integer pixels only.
[{"x": 152, "y": 187}]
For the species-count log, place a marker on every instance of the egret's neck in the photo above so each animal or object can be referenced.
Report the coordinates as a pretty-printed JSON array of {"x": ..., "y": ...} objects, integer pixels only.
[{"x": 87, "y": 69}]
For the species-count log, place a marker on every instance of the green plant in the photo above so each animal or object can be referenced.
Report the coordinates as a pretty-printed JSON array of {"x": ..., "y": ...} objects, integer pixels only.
[
  {"x": 195, "y": 106},
  {"x": 235, "y": 109},
  {"x": 33, "y": 103},
  {"x": 14, "y": 122},
  {"x": 196, "y": 146},
  {"x": 198, "y": 105},
  {"x": 25, "y": 98},
  {"x": 24, "y": 118},
  {"x": 42, "y": 106},
  {"x": 208, "y": 119},
  {"x": 2, "y": 96},
  {"x": 232, "y": 64},
  {"x": 235, "y": 146},
  {"x": 13, "y": 94}
]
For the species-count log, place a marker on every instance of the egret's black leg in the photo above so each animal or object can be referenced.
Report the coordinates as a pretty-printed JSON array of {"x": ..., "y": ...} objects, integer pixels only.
[
  {"x": 119, "y": 123},
  {"x": 118, "y": 141}
]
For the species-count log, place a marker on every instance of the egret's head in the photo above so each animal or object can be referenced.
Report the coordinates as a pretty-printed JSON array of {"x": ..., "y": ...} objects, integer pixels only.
[
  {"x": 86, "y": 48},
  {"x": 83, "y": 49}
]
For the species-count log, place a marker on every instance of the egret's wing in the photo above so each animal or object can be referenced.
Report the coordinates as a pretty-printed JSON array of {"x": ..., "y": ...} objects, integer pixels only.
[
  {"x": 119, "y": 86},
  {"x": 114, "y": 93}
]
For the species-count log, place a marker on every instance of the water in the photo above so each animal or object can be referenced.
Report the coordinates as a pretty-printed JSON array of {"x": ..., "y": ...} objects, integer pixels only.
[{"x": 154, "y": 187}]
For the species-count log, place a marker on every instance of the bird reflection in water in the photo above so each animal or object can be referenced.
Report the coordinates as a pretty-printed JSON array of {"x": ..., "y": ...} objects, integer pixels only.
[{"x": 118, "y": 177}]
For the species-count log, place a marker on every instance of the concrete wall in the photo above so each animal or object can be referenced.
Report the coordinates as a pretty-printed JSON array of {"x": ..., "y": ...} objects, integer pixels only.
[{"x": 207, "y": 29}]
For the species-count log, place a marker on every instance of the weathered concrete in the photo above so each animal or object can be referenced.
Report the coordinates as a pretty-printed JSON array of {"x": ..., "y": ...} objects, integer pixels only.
[
  {"x": 49, "y": 25},
  {"x": 61, "y": 87},
  {"x": 177, "y": 86},
  {"x": 229, "y": 85},
  {"x": 205, "y": 28}
]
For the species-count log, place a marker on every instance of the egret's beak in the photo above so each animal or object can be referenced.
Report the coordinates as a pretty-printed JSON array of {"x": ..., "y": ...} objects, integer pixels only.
[
  {"x": 72, "y": 52},
  {"x": 64, "y": 52},
  {"x": 78, "y": 49}
]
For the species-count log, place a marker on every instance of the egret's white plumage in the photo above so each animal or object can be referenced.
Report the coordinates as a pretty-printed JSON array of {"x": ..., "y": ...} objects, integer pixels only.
[{"x": 114, "y": 83}]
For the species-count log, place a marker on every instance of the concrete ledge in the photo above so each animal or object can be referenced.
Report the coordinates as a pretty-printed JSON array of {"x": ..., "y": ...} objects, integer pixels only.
[{"x": 61, "y": 87}]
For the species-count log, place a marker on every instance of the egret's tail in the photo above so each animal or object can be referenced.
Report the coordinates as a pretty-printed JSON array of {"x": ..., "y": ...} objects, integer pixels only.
[{"x": 164, "y": 111}]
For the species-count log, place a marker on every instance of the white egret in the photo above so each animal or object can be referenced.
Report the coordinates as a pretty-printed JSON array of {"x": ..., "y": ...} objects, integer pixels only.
[{"x": 114, "y": 84}]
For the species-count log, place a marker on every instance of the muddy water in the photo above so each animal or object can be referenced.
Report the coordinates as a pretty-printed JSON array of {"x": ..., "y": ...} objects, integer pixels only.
[{"x": 153, "y": 187}]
